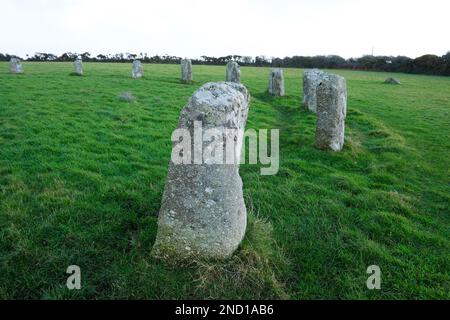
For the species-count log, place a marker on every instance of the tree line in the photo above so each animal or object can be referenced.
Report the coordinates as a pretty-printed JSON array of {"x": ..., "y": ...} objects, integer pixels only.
[{"x": 427, "y": 64}]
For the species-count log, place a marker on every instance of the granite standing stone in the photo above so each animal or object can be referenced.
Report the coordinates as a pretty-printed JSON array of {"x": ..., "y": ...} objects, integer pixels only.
[
  {"x": 331, "y": 112},
  {"x": 233, "y": 72},
  {"x": 137, "y": 70},
  {"x": 203, "y": 214},
  {"x": 311, "y": 79},
  {"x": 276, "y": 82},
  {"x": 186, "y": 71},
  {"x": 78, "y": 67},
  {"x": 15, "y": 66}
]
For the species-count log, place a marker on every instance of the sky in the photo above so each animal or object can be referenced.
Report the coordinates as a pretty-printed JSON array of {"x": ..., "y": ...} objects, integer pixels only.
[{"x": 192, "y": 28}]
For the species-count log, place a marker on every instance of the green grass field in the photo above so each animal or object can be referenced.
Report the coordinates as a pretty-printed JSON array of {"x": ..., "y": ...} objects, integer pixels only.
[{"x": 82, "y": 175}]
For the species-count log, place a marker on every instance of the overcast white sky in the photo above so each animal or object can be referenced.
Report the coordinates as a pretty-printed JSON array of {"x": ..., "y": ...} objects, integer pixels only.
[{"x": 192, "y": 28}]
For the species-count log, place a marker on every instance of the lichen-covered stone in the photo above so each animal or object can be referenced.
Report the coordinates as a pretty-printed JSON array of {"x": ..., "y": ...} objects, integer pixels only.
[
  {"x": 186, "y": 71},
  {"x": 276, "y": 82},
  {"x": 15, "y": 66},
  {"x": 392, "y": 81},
  {"x": 331, "y": 112},
  {"x": 203, "y": 214},
  {"x": 78, "y": 67},
  {"x": 233, "y": 72},
  {"x": 137, "y": 70},
  {"x": 311, "y": 79}
]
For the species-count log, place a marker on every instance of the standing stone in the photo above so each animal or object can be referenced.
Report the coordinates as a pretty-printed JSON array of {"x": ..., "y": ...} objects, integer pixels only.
[
  {"x": 186, "y": 71},
  {"x": 15, "y": 66},
  {"x": 137, "y": 70},
  {"x": 276, "y": 82},
  {"x": 78, "y": 67},
  {"x": 331, "y": 112},
  {"x": 203, "y": 213},
  {"x": 233, "y": 72},
  {"x": 311, "y": 79}
]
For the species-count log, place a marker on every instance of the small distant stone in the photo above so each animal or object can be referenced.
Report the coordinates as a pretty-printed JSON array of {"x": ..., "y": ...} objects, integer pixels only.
[
  {"x": 137, "y": 70},
  {"x": 186, "y": 71},
  {"x": 276, "y": 82},
  {"x": 15, "y": 66},
  {"x": 78, "y": 67},
  {"x": 392, "y": 81},
  {"x": 233, "y": 72},
  {"x": 127, "y": 97}
]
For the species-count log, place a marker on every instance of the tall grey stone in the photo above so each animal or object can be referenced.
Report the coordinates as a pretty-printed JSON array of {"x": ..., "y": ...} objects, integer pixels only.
[
  {"x": 186, "y": 71},
  {"x": 233, "y": 72},
  {"x": 203, "y": 214},
  {"x": 78, "y": 67},
  {"x": 311, "y": 79},
  {"x": 331, "y": 112},
  {"x": 276, "y": 82},
  {"x": 137, "y": 70},
  {"x": 15, "y": 66}
]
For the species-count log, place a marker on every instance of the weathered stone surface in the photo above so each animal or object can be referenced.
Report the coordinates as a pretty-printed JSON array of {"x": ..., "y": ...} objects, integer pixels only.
[
  {"x": 331, "y": 112},
  {"x": 276, "y": 82},
  {"x": 15, "y": 66},
  {"x": 392, "y": 81},
  {"x": 186, "y": 71},
  {"x": 138, "y": 70},
  {"x": 233, "y": 72},
  {"x": 78, "y": 67},
  {"x": 203, "y": 213},
  {"x": 311, "y": 79}
]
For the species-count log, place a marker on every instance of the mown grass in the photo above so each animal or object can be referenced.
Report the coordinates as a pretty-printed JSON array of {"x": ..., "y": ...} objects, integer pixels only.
[{"x": 82, "y": 174}]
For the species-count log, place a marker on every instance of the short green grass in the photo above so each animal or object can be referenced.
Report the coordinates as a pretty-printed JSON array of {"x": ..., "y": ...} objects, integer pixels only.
[{"x": 82, "y": 174}]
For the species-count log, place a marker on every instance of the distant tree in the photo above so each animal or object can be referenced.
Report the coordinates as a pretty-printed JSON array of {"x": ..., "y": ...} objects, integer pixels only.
[
  {"x": 247, "y": 60},
  {"x": 86, "y": 56},
  {"x": 446, "y": 58},
  {"x": 68, "y": 56},
  {"x": 261, "y": 61},
  {"x": 429, "y": 64},
  {"x": 5, "y": 57}
]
